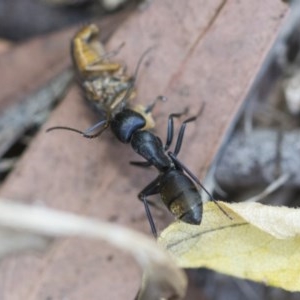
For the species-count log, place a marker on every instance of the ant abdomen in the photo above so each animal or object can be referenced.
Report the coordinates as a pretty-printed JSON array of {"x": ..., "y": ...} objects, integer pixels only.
[{"x": 181, "y": 196}]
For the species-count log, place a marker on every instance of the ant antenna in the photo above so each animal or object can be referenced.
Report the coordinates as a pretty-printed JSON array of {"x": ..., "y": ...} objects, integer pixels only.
[
  {"x": 64, "y": 128},
  {"x": 134, "y": 77},
  {"x": 113, "y": 52},
  {"x": 86, "y": 133}
]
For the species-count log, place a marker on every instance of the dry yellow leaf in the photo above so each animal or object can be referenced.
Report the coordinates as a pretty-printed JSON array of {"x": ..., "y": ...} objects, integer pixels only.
[{"x": 260, "y": 243}]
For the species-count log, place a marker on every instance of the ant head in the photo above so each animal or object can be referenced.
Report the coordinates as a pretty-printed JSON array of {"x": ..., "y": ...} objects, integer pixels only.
[{"x": 134, "y": 77}]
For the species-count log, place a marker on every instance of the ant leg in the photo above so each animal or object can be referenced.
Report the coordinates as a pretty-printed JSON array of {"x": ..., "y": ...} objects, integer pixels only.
[
  {"x": 170, "y": 129},
  {"x": 150, "y": 107},
  {"x": 182, "y": 166},
  {"x": 151, "y": 189},
  {"x": 182, "y": 130},
  {"x": 181, "y": 134},
  {"x": 113, "y": 52}
]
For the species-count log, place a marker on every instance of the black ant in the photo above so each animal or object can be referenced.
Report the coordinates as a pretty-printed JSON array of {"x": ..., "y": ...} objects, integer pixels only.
[{"x": 176, "y": 184}]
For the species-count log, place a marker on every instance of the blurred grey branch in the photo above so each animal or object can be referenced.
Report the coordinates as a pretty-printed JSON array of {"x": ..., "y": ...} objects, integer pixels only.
[
  {"x": 33, "y": 110},
  {"x": 258, "y": 159},
  {"x": 267, "y": 143}
]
